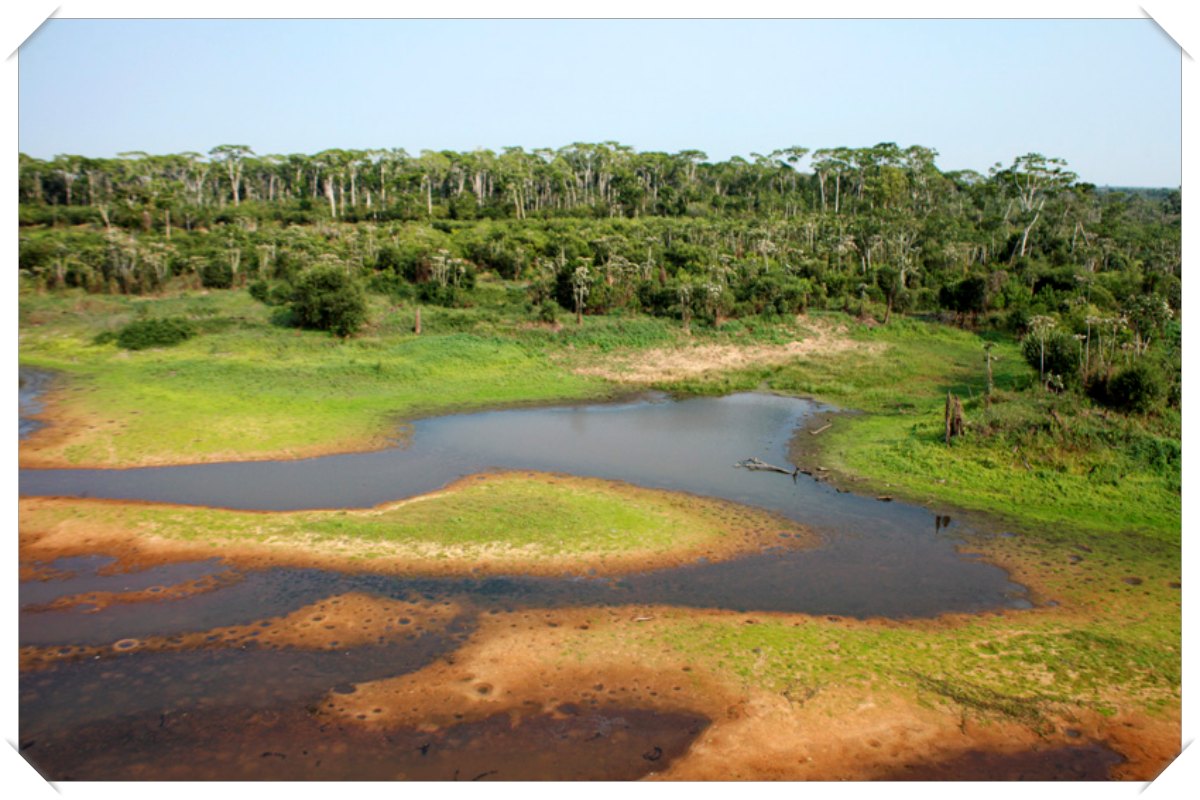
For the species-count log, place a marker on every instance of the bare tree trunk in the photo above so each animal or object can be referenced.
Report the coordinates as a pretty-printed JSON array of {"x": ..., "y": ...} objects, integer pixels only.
[
  {"x": 949, "y": 407},
  {"x": 417, "y": 321},
  {"x": 235, "y": 180},
  {"x": 988, "y": 396},
  {"x": 954, "y": 417},
  {"x": 329, "y": 196},
  {"x": 1025, "y": 235}
]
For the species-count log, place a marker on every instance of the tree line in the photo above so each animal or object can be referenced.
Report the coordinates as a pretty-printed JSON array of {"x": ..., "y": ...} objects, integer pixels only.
[{"x": 601, "y": 228}]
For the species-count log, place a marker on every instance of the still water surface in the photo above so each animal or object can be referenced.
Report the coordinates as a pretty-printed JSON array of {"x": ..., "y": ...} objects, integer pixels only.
[
  {"x": 878, "y": 558},
  {"x": 167, "y": 709}
]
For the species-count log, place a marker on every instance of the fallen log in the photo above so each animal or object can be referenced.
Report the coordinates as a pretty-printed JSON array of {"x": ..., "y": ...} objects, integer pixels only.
[
  {"x": 821, "y": 429},
  {"x": 757, "y": 464}
]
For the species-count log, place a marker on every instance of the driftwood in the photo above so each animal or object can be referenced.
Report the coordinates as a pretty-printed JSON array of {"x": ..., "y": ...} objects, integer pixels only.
[
  {"x": 756, "y": 464},
  {"x": 821, "y": 429}
]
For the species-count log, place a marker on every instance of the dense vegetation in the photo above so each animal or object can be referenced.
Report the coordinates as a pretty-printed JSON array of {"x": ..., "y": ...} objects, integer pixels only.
[{"x": 1085, "y": 280}]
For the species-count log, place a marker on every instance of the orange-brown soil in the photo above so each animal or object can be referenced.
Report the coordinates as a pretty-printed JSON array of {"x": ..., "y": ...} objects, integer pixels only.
[
  {"x": 339, "y": 622},
  {"x": 99, "y": 600},
  {"x": 538, "y": 662}
]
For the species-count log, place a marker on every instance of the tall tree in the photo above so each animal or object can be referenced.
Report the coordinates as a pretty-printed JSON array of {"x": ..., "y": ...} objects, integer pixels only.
[{"x": 232, "y": 156}]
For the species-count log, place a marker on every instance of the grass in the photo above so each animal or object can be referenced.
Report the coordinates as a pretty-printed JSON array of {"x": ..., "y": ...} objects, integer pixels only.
[
  {"x": 1091, "y": 474},
  {"x": 249, "y": 387},
  {"x": 246, "y": 388},
  {"x": 507, "y": 520},
  {"x": 1096, "y": 498},
  {"x": 985, "y": 666},
  {"x": 1094, "y": 475}
]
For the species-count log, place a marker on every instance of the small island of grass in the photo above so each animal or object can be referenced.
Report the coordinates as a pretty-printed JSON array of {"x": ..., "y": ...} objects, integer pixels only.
[{"x": 484, "y": 524}]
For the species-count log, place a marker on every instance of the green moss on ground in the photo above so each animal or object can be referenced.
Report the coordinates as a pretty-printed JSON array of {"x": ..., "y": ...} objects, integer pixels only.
[{"x": 506, "y": 520}]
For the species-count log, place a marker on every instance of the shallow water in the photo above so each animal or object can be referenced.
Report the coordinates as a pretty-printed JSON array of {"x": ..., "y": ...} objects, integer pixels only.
[
  {"x": 83, "y": 574},
  {"x": 876, "y": 559},
  {"x": 72, "y": 693},
  {"x": 791, "y": 581},
  {"x": 30, "y": 385},
  {"x": 606, "y": 742},
  {"x": 879, "y": 558}
]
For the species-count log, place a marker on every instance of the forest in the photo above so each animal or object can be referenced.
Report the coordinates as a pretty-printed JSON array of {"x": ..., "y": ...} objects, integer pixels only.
[{"x": 1093, "y": 274}]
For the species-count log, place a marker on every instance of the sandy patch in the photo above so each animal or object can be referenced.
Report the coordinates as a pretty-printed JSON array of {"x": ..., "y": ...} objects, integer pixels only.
[{"x": 664, "y": 365}]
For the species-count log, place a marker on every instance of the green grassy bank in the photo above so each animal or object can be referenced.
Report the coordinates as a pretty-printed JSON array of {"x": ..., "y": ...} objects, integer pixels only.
[
  {"x": 249, "y": 387},
  {"x": 246, "y": 388},
  {"x": 1045, "y": 461},
  {"x": 505, "y": 522}
]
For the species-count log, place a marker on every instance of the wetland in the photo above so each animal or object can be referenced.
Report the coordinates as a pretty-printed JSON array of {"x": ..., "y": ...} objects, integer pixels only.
[{"x": 174, "y": 624}]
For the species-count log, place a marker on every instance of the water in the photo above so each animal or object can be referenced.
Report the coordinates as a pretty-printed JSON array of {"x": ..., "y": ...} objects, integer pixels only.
[
  {"x": 31, "y": 383},
  {"x": 878, "y": 558},
  {"x": 227, "y": 712},
  {"x": 601, "y": 742}
]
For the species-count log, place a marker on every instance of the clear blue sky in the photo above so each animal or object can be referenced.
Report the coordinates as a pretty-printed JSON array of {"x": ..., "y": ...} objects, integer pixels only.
[{"x": 1103, "y": 94}]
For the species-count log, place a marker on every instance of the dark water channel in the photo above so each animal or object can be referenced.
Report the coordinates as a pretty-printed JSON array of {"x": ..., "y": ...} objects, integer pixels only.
[
  {"x": 877, "y": 559},
  {"x": 31, "y": 384}
]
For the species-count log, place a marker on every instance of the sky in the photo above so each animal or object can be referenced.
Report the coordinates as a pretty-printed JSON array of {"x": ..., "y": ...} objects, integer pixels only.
[{"x": 1103, "y": 94}]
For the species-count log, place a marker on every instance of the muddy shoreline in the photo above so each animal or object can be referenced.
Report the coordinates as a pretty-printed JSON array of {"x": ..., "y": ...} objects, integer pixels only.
[
  {"x": 760, "y": 531},
  {"x": 615, "y": 706}
]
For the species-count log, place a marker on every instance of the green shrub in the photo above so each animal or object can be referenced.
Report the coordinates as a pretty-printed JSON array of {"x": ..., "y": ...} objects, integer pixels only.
[
  {"x": 145, "y": 333},
  {"x": 1135, "y": 388},
  {"x": 1061, "y": 354},
  {"x": 271, "y": 294},
  {"x": 260, "y": 290},
  {"x": 216, "y": 275},
  {"x": 328, "y": 299},
  {"x": 448, "y": 296}
]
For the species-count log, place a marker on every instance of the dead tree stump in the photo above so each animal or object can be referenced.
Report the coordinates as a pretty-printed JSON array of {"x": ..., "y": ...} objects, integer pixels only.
[{"x": 954, "y": 417}]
